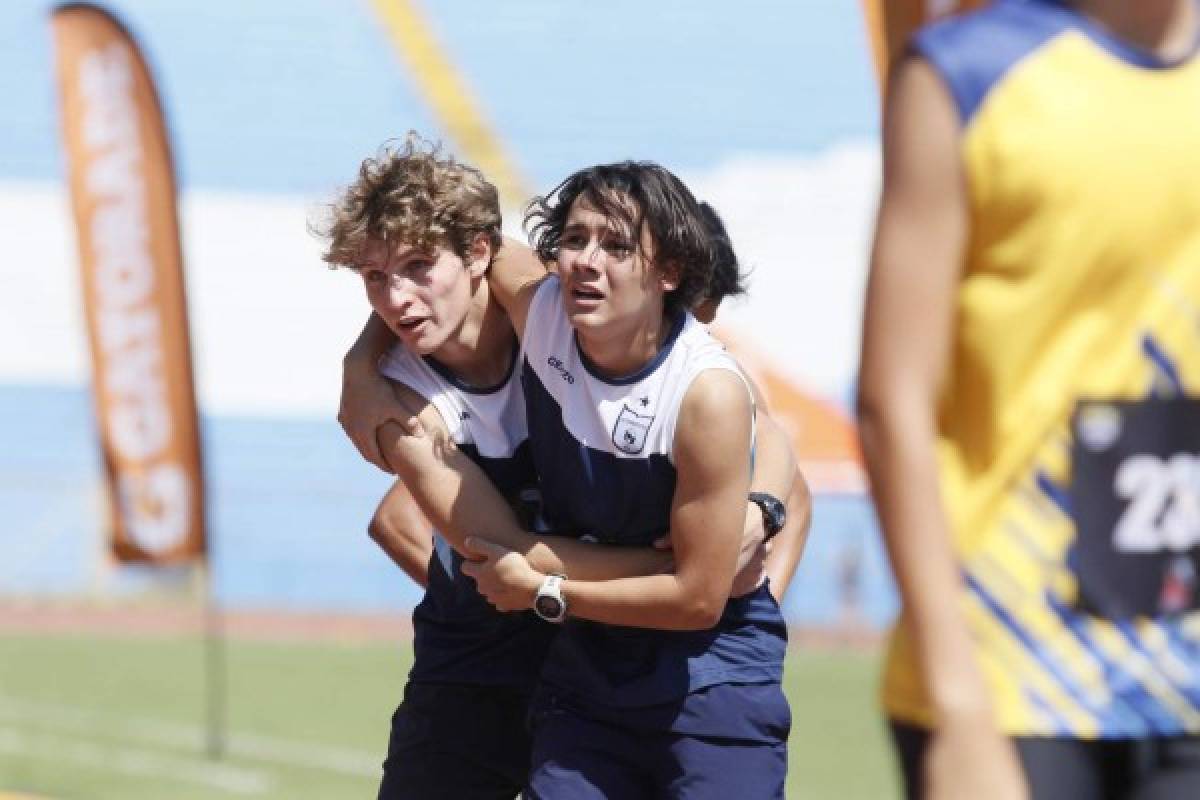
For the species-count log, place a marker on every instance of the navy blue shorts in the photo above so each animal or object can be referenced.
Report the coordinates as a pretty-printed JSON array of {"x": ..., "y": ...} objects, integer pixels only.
[
  {"x": 451, "y": 742},
  {"x": 577, "y": 758}
]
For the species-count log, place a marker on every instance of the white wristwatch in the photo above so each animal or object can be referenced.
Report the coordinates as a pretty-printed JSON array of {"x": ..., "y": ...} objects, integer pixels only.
[{"x": 549, "y": 603}]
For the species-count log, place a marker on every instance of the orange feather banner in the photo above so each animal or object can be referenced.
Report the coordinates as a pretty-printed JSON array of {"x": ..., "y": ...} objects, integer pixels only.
[{"x": 124, "y": 200}]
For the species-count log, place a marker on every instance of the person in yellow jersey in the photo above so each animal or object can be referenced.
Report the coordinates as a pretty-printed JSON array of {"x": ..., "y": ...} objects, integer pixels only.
[{"x": 1030, "y": 400}]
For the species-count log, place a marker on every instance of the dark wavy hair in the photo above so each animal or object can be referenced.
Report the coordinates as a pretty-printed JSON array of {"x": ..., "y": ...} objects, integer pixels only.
[
  {"x": 727, "y": 279},
  {"x": 645, "y": 197}
]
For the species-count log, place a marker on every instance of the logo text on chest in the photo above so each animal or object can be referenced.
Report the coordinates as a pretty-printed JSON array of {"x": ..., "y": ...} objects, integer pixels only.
[{"x": 556, "y": 364}]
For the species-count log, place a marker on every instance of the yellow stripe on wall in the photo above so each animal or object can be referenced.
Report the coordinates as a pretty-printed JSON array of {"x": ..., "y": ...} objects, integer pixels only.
[{"x": 451, "y": 99}]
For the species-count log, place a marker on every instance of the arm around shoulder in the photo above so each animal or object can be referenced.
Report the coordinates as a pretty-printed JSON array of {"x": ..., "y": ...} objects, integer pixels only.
[
  {"x": 366, "y": 399},
  {"x": 459, "y": 500},
  {"x": 513, "y": 278},
  {"x": 787, "y": 548}
]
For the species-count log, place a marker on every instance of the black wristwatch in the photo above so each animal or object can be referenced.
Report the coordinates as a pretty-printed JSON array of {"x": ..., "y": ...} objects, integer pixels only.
[{"x": 773, "y": 510}]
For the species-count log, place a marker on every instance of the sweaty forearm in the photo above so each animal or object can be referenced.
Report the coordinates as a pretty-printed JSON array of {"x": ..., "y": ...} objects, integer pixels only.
[
  {"x": 663, "y": 602},
  {"x": 559, "y": 555}
]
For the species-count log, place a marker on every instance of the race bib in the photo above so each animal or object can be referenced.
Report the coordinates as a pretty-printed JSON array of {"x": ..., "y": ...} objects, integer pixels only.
[{"x": 1135, "y": 498}]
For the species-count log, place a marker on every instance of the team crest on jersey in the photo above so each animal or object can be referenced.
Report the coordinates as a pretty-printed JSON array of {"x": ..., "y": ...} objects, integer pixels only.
[{"x": 629, "y": 434}]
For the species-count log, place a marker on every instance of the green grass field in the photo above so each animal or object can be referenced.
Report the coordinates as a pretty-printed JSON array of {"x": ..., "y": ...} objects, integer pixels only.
[{"x": 104, "y": 717}]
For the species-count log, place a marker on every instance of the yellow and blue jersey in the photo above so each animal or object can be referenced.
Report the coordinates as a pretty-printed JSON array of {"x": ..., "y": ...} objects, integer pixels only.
[{"x": 1078, "y": 309}]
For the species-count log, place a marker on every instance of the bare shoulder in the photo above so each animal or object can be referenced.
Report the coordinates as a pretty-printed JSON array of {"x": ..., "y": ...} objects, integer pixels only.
[
  {"x": 760, "y": 400},
  {"x": 716, "y": 408},
  {"x": 921, "y": 125},
  {"x": 915, "y": 81}
]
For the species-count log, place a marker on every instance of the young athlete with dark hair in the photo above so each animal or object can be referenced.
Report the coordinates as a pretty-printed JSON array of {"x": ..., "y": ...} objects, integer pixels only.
[{"x": 660, "y": 685}]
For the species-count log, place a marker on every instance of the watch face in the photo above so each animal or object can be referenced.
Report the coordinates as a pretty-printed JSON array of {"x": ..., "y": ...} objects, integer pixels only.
[
  {"x": 778, "y": 513},
  {"x": 548, "y": 607},
  {"x": 774, "y": 511}
]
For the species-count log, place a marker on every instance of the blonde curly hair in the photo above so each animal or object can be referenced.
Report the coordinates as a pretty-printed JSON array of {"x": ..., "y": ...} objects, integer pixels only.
[{"x": 410, "y": 195}]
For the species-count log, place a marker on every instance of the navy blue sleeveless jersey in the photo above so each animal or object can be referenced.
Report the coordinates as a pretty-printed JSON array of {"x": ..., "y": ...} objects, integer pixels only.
[
  {"x": 459, "y": 637},
  {"x": 602, "y": 448}
]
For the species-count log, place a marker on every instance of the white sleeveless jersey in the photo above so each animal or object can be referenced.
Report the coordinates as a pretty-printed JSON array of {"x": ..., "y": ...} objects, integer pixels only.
[
  {"x": 459, "y": 637},
  {"x": 603, "y": 448},
  {"x": 628, "y": 418},
  {"x": 488, "y": 423},
  {"x": 491, "y": 419}
]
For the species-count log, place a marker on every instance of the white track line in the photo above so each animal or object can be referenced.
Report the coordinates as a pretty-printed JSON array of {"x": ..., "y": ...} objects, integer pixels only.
[
  {"x": 181, "y": 736},
  {"x": 133, "y": 761}
]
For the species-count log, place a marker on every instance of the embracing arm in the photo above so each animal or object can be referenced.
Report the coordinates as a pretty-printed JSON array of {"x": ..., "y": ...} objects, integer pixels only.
[
  {"x": 459, "y": 500},
  {"x": 367, "y": 401},
  {"x": 775, "y": 472},
  {"x": 774, "y": 461},
  {"x": 401, "y": 531},
  {"x": 785, "y": 550},
  {"x": 513, "y": 278},
  {"x": 712, "y": 463}
]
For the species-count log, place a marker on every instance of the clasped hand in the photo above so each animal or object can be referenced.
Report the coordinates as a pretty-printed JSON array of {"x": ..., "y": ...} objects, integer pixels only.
[{"x": 502, "y": 576}]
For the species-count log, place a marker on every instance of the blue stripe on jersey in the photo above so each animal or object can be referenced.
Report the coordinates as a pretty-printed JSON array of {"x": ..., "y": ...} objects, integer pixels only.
[
  {"x": 463, "y": 386},
  {"x": 1131, "y": 712},
  {"x": 1189, "y": 690},
  {"x": 1029, "y": 643},
  {"x": 628, "y": 380},
  {"x": 1060, "y": 496},
  {"x": 458, "y": 637},
  {"x": 1164, "y": 367},
  {"x": 974, "y": 51},
  {"x": 1061, "y": 726},
  {"x": 1187, "y": 651}
]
